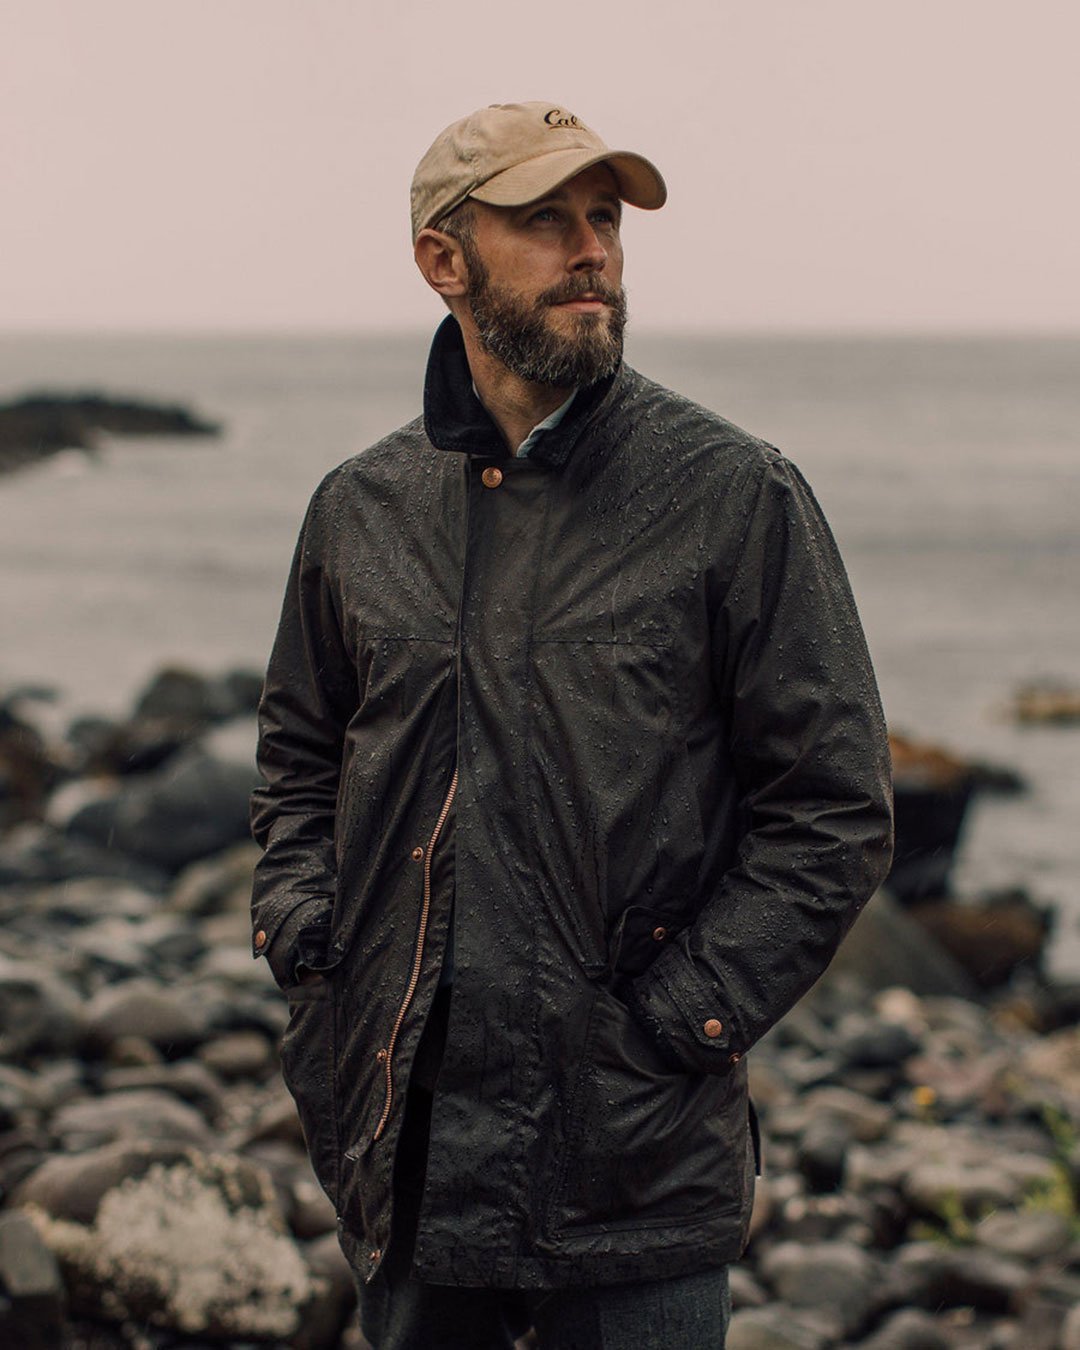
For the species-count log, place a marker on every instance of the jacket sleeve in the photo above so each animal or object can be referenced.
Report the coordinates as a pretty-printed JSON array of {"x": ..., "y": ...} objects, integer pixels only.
[
  {"x": 309, "y": 696},
  {"x": 811, "y": 758}
]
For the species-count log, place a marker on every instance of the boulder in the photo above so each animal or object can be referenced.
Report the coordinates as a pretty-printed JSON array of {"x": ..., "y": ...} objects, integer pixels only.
[
  {"x": 836, "y": 1278},
  {"x": 908, "y": 1329},
  {"x": 31, "y": 1290},
  {"x": 778, "y": 1328},
  {"x": 140, "y": 1114},
  {"x": 72, "y": 1186},
  {"x": 196, "y": 1247},
  {"x": 193, "y": 806},
  {"x": 167, "y": 1018},
  {"x": 39, "y": 1013}
]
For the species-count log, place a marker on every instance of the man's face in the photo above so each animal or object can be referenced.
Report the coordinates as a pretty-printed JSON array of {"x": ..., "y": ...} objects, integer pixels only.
[{"x": 545, "y": 280}]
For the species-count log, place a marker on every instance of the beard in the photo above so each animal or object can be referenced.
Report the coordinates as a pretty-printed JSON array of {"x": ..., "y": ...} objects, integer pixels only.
[{"x": 520, "y": 333}]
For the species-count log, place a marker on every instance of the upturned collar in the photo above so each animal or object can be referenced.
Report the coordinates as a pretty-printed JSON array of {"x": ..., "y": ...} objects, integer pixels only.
[{"x": 455, "y": 419}]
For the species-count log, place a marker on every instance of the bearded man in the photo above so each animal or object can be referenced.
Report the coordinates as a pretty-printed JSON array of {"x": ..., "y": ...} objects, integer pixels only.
[{"x": 575, "y": 776}]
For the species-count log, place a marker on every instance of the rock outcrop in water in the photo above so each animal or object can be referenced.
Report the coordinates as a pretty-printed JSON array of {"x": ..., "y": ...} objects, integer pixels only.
[
  {"x": 41, "y": 424},
  {"x": 921, "y": 1139}
]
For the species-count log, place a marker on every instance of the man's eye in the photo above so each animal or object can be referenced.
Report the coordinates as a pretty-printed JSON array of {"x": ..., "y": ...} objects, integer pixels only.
[{"x": 544, "y": 214}]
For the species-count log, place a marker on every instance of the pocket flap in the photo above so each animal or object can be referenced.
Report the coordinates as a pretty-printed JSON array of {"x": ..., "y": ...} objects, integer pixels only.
[{"x": 640, "y": 936}]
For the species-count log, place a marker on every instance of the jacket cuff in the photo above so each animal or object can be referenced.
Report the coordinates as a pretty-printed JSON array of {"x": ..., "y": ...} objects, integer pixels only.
[
  {"x": 281, "y": 950},
  {"x": 694, "y": 1021}
]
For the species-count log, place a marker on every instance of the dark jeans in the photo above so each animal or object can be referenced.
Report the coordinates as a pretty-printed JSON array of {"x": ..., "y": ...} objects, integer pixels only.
[{"x": 398, "y": 1312}]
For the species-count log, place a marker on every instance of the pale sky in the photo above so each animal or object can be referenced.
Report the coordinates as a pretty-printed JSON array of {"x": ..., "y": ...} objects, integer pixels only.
[{"x": 832, "y": 164}]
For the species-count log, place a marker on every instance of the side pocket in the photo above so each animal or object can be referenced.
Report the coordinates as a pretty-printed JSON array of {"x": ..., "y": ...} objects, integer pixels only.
[{"x": 307, "y": 1053}]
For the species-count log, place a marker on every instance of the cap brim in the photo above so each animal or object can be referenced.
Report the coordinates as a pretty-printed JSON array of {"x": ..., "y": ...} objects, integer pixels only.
[{"x": 639, "y": 182}]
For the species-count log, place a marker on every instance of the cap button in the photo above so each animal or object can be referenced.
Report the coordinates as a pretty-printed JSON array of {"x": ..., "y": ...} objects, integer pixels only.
[
  {"x": 260, "y": 938},
  {"x": 713, "y": 1028},
  {"x": 491, "y": 477}
]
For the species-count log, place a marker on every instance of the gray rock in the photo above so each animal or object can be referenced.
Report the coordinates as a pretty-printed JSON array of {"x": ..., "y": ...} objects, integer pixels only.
[
  {"x": 141, "y": 1114},
  {"x": 188, "y": 1080},
  {"x": 39, "y": 1013},
  {"x": 88, "y": 900},
  {"x": 240, "y": 1054},
  {"x": 745, "y": 1290},
  {"x": 166, "y": 1018},
  {"x": 1070, "y": 1331},
  {"x": 38, "y": 853},
  {"x": 329, "y": 1313},
  {"x": 1028, "y": 1235},
  {"x": 193, "y": 806},
  {"x": 822, "y": 1152},
  {"x": 939, "y": 1188},
  {"x": 886, "y": 947},
  {"x": 215, "y": 885},
  {"x": 868, "y": 1043},
  {"x": 196, "y": 1247},
  {"x": 927, "y": 1275},
  {"x": 71, "y": 1187},
  {"x": 777, "y": 1328},
  {"x": 837, "y": 1278},
  {"x": 31, "y": 1290},
  {"x": 909, "y": 1329}
]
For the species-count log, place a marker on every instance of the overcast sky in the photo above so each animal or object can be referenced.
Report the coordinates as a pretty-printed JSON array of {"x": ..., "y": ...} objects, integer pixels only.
[{"x": 208, "y": 164}]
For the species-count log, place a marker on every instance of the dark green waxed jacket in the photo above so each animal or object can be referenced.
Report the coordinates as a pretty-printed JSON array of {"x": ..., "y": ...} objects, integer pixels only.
[{"x": 609, "y": 712}]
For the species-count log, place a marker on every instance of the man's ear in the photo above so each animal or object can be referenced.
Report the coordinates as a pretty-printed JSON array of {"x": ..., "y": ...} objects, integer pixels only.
[{"x": 441, "y": 260}]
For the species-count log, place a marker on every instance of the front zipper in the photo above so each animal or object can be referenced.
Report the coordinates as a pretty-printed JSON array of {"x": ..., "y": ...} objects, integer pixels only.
[{"x": 387, "y": 1054}]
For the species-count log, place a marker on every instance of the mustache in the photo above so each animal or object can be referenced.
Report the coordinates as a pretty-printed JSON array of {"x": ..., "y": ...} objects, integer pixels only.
[{"x": 575, "y": 287}]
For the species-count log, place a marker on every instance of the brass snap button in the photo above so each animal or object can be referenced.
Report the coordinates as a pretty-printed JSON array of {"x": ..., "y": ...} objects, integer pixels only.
[
  {"x": 713, "y": 1028},
  {"x": 659, "y": 934},
  {"x": 491, "y": 477},
  {"x": 381, "y": 1056},
  {"x": 260, "y": 938},
  {"x": 734, "y": 1059},
  {"x": 417, "y": 854}
]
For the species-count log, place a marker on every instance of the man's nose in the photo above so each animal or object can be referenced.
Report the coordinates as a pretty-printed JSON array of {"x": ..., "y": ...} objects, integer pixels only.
[{"x": 588, "y": 253}]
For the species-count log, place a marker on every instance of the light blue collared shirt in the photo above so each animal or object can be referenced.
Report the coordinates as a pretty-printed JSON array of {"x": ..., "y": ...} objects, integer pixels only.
[{"x": 548, "y": 424}]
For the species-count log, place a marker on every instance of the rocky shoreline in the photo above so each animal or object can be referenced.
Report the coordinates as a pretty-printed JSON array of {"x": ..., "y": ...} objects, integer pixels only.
[
  {"x": 41, "y": 424},
  {"x": 921, "y": 1137}
]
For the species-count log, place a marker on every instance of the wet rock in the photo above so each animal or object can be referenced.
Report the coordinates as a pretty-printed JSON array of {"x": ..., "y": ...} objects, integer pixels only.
[
  {"x": 72, "y": 1186},
  {"x": 327, "y": 1317},
  {"x": 992, "y": 939},
  {"x": 218, "y": 884},
  {"x": 37, "y": 853},
  {"x": 243, "y": 1054},
  {"x": 821, "y": 1155},
  {"x": 194, "y": 806},
  {"x": 931, "y": 1276},
  {"x": 31, "y": 1290},
  {"x": 196, "y": 1247},
  {"x": 837, "y": 1278},
  {"x": 745, "y": 1290},
  {"x": 940, "y": 1188},
  {"x": 886, "y": 947},
  {"x": 39, "y": 1013},
  {"x": 909, "y": 1329},
  {"x": 164, "y": 1017},
  {"x": 140, "y": 1114},
  {"x": 1070, "y": 1330},
  {"x": 186, "y": 1079},
  {"x": 868, "y": 1043},
  {"x": 778, "y": 1328},
  {"x": 1028, "y": 1235},
  {"x": 867, "y": 1120}
]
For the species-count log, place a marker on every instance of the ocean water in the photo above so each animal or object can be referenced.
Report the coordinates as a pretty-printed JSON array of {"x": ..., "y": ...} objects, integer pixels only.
[{"x": 949, "y": 470}]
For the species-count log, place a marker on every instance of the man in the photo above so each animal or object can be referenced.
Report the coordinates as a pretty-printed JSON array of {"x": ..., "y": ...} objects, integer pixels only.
[{"x": 575, "y": 776}]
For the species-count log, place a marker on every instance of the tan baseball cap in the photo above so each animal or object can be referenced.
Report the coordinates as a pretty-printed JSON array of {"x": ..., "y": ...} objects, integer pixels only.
[{"x": 513, "y": 153}]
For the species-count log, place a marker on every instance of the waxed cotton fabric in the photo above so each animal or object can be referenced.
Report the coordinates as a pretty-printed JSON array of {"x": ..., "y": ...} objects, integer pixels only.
[{"x": 639, "y": 663}]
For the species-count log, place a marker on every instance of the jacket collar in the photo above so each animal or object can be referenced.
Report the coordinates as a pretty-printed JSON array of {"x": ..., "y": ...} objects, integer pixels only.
[{"x": 455, "y": 419}]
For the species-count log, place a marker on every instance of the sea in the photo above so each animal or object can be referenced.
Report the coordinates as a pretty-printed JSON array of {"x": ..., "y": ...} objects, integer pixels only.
[{"x": 949, "y": 469}]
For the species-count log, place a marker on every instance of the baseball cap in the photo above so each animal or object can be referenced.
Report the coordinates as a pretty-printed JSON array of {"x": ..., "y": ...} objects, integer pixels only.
[{"x": 512, "y": 153}]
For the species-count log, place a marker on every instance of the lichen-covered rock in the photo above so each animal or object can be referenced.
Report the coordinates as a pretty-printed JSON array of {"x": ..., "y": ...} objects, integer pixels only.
[{"x": 193, "y": 1247}]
